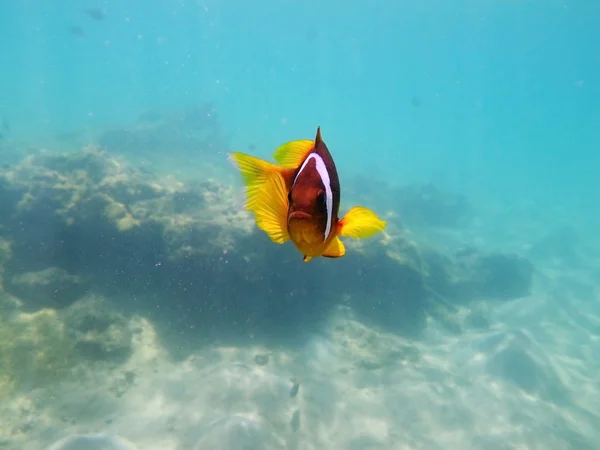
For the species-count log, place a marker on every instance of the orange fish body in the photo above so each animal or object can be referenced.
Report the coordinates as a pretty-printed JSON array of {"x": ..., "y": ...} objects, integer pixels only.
[{"x": 299, "y": 199}]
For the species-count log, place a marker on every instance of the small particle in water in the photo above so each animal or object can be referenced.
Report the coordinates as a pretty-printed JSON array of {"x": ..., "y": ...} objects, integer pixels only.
[
  {"x": 295, "y": 387},
  {"x": 415, "y": 101},
  {"x": 261, "y": 360}
]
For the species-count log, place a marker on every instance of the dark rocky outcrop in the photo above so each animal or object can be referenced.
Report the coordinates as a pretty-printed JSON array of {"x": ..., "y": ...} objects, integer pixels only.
[
  {"x": 90, "y": 222},
  {"x": 194, "y": 131},
  {"x": 470, "y": 275}
]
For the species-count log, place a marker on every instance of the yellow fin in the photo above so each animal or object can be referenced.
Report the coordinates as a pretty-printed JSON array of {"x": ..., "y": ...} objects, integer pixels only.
[
  {"x": 271, "y": 208},
  {"x": 306, "y": 258},
  {"x": 335, "y": 249},
  {"x": 292, "y": 154},
  {"x": 255, "y": 172},
  {"x": 360, "y": 223}
]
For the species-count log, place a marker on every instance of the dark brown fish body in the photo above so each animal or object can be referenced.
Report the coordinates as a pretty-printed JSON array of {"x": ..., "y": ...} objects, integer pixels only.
[{"x": 314, "y": 195}]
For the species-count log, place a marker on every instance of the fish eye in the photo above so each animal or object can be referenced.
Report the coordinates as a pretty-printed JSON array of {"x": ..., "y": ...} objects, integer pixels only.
[{"x": 321, "y": 197}]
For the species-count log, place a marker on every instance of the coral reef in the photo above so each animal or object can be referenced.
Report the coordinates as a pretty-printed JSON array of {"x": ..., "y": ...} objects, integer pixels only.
[
  {"x": 97, "y": 332},
  {"x": 100, "y": 262},
  {"x": 88, "y": 216},
  {"x": 34, "y": 350},
  {"x": 88, "y": 222}
]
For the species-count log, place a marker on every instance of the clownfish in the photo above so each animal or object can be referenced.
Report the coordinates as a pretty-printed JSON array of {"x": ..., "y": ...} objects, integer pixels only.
[{"x": 298, "y": 199}]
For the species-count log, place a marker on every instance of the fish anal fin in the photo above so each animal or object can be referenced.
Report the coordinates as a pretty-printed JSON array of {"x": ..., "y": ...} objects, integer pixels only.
[
  {"x": 292, "y": 154},
  {"x": 306, "y": 258},
  {"x": 271, "y": 208},
  {"x": 335, "y": 249},
  {"x": 360, "y": 223}
]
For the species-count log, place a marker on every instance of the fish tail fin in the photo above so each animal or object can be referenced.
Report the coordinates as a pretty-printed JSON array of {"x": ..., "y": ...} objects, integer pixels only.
[
  {"x": 360, "y": 223},
  {"x": 255, "y": 173}
]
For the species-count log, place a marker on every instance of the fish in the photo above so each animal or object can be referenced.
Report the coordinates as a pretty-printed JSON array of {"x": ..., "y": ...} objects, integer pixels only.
[
  {"x": 295, "y": 387},
  {"x": 298, "y": 199},
  {"x": 76, "y": 30},
  {"x": 95, "y": 13}
]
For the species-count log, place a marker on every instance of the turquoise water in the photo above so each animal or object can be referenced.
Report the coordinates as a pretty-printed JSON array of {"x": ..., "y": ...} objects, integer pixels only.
[
  {"x": 498, "y": 102},
  {"x": 508, "y": 91}
]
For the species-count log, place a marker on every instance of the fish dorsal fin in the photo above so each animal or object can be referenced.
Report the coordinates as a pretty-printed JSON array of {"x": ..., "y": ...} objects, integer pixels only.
[
  {"x": 293, "y": 154},
  {"x": 271, "y": 208},
  {"x": 335, "y": 249},
  {"x": 318, "y": 139}
]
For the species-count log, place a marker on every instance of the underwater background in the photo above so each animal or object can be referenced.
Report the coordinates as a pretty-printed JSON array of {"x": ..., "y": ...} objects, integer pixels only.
[{"x": 140, "y": 306}]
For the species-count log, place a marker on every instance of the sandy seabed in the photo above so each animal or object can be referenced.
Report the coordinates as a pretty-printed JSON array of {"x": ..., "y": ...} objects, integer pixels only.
[{"x": 529, "y": 385}]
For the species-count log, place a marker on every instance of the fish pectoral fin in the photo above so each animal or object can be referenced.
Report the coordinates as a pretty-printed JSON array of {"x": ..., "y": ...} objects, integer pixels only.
[
  {"x": 255, "y": 172},
  {"x": 360, "y": 223},
  {"x": 306, "y": 258},
  {"x": 335, "y": 249},
  {"x": 292, "y": 154},
  {"x": 271, "y": 209}
]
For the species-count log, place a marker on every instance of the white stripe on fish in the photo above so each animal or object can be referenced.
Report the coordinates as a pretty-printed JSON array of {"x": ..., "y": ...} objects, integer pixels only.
[{"x": 322, "y": 170}]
